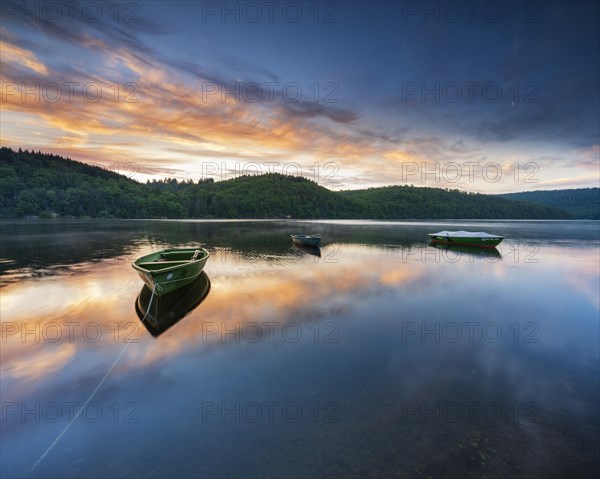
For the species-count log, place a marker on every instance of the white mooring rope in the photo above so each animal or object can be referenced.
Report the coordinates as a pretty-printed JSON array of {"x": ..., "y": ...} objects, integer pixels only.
[{"x": 150, "y": 303}]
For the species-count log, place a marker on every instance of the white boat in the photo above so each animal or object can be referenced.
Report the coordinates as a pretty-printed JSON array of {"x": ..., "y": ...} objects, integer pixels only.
[{"x": 467, "y": 238}]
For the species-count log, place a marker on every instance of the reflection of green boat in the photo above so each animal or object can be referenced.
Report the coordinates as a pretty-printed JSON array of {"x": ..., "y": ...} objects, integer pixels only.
[
  {"x": 170, "y": 269},
  {"x": 169, "y": 309},
  {"x": 458, "y": 250},
  {"x": 467, "y": 238}
]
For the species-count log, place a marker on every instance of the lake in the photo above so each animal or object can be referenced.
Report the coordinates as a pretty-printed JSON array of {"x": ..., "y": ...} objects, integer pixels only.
[{"x": 382, "y": 357}]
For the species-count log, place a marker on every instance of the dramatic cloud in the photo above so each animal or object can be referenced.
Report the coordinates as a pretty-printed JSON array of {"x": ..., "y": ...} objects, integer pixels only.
[{"x": 174, "y": 89}]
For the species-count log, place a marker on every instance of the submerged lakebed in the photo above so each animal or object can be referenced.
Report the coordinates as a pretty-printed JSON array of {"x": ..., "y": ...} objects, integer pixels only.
[{"x": 380, "y": 355}]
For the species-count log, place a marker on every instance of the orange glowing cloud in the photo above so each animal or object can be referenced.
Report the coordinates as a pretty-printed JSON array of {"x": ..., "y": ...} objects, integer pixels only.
[{"x": 19, "y": 56}]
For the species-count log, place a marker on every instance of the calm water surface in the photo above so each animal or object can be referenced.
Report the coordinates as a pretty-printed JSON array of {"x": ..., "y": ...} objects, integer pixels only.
[{"x": 382, "y": 357}]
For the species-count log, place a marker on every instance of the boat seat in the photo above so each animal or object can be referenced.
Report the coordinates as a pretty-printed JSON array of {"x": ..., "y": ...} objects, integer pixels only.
[{"x": 165, "y": 263}]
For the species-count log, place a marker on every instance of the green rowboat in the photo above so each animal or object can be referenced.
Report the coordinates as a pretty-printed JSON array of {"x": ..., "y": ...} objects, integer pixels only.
[
  {"x": 467, "y": 238},
  {"x": 170, "y": 269}
]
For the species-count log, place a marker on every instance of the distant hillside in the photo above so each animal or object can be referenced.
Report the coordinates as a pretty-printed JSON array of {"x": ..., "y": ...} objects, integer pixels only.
[
  {"x": 275, "y": 196},
  {"x": 583, "y": 203},
  {"x": 43, "y": 185},
  {"x": 406, "y": 202}
]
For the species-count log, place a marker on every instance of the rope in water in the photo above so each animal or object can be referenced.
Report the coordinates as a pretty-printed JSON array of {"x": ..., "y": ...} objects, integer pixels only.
[
  {"x": 89, "y": 399},
  {"x": 150, "y": 303}
]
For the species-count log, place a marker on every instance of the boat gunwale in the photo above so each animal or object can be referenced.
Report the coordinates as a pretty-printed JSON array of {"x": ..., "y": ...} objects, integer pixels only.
[{"x": 141, "y": 269}]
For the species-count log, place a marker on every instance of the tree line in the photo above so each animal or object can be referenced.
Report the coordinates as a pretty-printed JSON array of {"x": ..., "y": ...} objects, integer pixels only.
[
  {"x": 582, "y": 203},
  {"x": 36, "y": 184}
]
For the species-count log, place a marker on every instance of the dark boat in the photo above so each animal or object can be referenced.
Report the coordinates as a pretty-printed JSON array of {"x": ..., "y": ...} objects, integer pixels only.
[
  {"x": 167, "y": 310},
  {"x": 307, "y": 240}
]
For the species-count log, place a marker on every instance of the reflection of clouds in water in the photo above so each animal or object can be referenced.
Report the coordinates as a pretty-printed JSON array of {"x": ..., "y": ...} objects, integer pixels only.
[
  {"x": 369, "y": 293},
  {"x": 586, "y": 277},
  {"x": 47, "y": 361},
  {"x": 242, "y": 292},
  {"x": 76, "y": 296},
  {"x": 374, "y": 284},
  {"x": 305, "y": 289},
  {"x": 553, "y": 372}
]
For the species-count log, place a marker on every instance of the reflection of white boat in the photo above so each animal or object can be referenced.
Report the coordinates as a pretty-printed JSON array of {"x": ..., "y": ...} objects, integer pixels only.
[
  {"x": 467, "y": 238},
  {"x": 459, "y": 250},
  {"x": 307, "y": 240}
]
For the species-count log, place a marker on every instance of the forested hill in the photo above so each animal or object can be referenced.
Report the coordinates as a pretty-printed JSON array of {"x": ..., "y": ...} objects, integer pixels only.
[
  {"x": 580, "y": 202},
  {"x": 437, "y": 203},
  {"x": 46, "y": 186},
  {"x": 38, "y": 184}
]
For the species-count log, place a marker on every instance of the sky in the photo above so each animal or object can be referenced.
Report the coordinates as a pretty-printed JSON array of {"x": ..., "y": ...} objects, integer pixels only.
[{"x": 482, "y": 96}]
